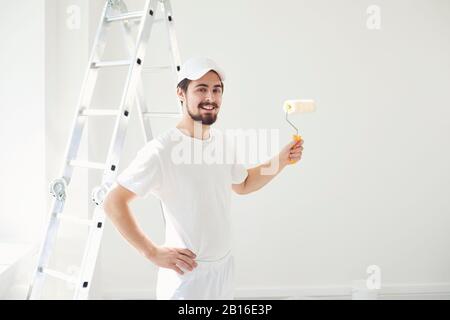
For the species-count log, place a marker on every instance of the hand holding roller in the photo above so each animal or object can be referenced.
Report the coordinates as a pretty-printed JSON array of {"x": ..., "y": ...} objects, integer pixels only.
[{"x": 297, "y": 107}]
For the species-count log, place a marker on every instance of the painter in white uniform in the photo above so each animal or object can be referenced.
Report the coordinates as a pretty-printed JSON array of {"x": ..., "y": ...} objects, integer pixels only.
[
  {"x": 195, "y": 192},
  {"x": 193, "y": 176}
]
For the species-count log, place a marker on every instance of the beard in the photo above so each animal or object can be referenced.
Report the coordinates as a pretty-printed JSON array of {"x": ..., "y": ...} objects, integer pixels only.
[{"x": 206, "y": 118}]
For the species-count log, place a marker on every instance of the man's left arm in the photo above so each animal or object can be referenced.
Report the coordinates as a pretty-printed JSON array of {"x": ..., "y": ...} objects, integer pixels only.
[{"x": 259, "y": 176}]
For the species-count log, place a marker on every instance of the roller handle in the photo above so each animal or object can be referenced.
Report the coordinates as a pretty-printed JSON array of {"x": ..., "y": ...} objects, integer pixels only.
[{"x": 295, "y": 137}]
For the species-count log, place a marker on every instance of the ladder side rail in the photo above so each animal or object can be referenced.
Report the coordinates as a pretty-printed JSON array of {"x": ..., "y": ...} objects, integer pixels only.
[
  {"x": 174, "y": 50},
  {"x": 140, "y": 96}
]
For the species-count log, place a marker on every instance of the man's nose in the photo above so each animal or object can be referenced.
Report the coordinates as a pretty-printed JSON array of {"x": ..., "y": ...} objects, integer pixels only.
[{"x": 209, "y": 96}]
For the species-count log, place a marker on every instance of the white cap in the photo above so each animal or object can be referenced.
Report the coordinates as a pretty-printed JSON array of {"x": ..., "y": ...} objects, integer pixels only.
[{"x": 195, "y": 68}]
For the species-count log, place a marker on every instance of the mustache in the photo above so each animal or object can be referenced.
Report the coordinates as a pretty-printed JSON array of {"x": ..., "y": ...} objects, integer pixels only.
[{"x": 202, "y": 104}]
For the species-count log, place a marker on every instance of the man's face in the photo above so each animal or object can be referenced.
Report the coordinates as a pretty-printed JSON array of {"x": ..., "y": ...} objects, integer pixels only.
[{"x": 203, "y": 98}]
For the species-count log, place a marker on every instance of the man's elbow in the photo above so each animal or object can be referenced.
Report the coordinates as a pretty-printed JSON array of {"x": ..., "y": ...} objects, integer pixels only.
[
  {"x": 109, "y": 204},
  {"x": 241, "y": 188},
  {"x": 115, "y": 199},
  {"x": 240, "y": 192},
  {"x": 245, "y": 191}
]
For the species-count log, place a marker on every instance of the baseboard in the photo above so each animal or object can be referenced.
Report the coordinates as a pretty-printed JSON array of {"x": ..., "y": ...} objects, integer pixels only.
[{"x": 422, "y": 291}]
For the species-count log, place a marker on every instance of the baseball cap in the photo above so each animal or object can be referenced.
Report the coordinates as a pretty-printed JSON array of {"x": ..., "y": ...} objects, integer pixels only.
[{"x": 195, "y": 68}]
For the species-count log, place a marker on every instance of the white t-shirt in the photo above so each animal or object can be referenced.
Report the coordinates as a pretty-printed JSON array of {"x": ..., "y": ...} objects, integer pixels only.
[{"x": 192, "y": 178}]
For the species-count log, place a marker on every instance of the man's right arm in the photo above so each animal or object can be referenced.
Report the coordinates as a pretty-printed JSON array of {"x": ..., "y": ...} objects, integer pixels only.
[{"x": 116, "y": 206}]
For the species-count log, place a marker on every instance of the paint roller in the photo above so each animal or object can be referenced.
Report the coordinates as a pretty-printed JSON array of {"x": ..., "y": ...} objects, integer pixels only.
[{"x": 296, "y": 107}]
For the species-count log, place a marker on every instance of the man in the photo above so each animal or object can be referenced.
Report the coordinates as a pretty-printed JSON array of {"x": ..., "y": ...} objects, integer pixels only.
[{"x": 196, "y": 260}]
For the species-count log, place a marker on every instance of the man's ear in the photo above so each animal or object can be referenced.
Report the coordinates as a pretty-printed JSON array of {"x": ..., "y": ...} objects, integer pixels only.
[{"x": 181, "y": 95}]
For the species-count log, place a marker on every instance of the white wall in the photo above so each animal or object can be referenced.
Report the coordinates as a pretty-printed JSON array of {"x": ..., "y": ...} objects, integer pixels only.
[
  {"x": 372, "y": 187},
  {"x": 22, "y": 137},
  {"x": 22, "y": 122}
]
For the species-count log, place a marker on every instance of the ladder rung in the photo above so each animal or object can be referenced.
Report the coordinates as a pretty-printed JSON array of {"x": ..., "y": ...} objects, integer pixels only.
[
  {"x": 59, "y": 275},
  {"x": 156, "y": 69},
  {"x": 99, "y": 112},
  {"x": 126, "y": 16},
  {"x": 137, "y": 20},
  {"x": 162, "y": 114},
  {"x": 68, "y": 218},
  {"x": 87, "y": 164},
  {"x": 117, "y": 63}
]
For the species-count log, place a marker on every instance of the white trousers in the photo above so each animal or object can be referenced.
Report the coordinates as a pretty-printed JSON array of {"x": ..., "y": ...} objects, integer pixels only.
[{"x": 210, "y": 280}]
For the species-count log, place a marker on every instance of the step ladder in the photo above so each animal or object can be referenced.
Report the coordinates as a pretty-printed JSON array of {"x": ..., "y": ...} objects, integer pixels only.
[{"x": 114, "y": 11}]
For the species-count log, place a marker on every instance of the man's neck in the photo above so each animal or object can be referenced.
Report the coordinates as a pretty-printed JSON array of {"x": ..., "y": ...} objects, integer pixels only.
[{"x": 194, "y": 128}]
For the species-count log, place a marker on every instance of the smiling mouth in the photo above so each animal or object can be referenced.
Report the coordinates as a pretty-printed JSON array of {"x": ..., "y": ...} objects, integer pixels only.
[{"x": 208, "y": 108}]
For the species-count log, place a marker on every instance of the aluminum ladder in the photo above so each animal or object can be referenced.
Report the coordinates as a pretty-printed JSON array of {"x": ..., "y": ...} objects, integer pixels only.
[{"x": 114, "y": 11}]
